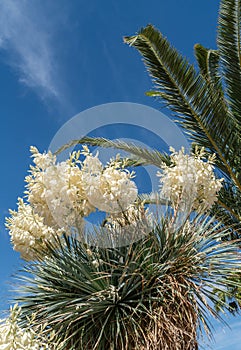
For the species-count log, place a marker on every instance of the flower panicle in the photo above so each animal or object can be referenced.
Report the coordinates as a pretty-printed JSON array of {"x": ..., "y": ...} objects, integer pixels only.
[{"x": 59, "y": 195}]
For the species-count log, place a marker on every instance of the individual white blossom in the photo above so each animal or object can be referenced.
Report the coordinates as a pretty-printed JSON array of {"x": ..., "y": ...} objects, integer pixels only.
[
  {"x": 28, "y": 232},
  {"x": 12, "y": 337},
  {"x": 190, "y": 183}
]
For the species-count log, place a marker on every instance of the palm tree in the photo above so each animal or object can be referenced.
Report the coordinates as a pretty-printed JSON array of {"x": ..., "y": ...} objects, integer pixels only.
[{"x": 206, "y": 103}]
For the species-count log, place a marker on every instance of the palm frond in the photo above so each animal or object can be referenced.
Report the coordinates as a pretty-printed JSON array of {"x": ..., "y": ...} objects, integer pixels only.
[
  {"x": 208, "y": 62},
  {"x": 228, "y": 41},
  {"x": 203, "y": 115},
  {"x": 227, "y": 209},
  {"x": 143, "y": 156},
  {"x": 231, "y": 196}
]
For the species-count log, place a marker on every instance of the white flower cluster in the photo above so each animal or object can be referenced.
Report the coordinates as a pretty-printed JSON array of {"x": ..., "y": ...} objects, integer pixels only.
[
  {"x": 60, "y": 195},
  {"x": 189, "y": 183},
  {"x": 55, "y": 191},
  {"x": 28, "y": 231},
  {"x": 12, "y": 337},
  {"x": 109, "y": 189}
]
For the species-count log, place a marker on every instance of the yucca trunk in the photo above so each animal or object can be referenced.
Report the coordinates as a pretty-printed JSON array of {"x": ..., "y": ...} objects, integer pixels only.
[{"x": 174, "y": 324}]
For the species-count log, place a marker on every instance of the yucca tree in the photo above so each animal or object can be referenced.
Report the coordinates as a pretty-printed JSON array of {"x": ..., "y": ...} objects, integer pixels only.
[{"x": 153, "y": 294}]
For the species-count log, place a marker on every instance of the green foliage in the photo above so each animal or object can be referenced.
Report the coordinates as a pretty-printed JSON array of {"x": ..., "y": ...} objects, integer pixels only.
[
  {"x": 185, "y": 92},
  {"x": 206, "y": 102},
  {"x": 152, "y": 294},
  {"x": 208, "y": 61},
  {"x": 228, "y": 40},
  {"x": 142, "y": 156}
]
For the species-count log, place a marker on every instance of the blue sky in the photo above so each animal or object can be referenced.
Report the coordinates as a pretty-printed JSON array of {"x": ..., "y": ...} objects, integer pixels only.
[{"x": 60, "y": 57}]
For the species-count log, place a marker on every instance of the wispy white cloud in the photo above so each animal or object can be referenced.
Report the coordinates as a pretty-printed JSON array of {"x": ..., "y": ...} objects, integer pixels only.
[{"x": 27, "y": 36}]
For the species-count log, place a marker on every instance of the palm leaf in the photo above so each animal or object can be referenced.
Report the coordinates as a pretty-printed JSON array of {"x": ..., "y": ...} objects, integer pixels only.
[
  {"x": 228, "y": 41},
  {"x": 208, "y": 62},
  {"x": 204, "y": 116},
  {"x": 228, "y": 208},
  {"x": 143, "y": 156}
]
